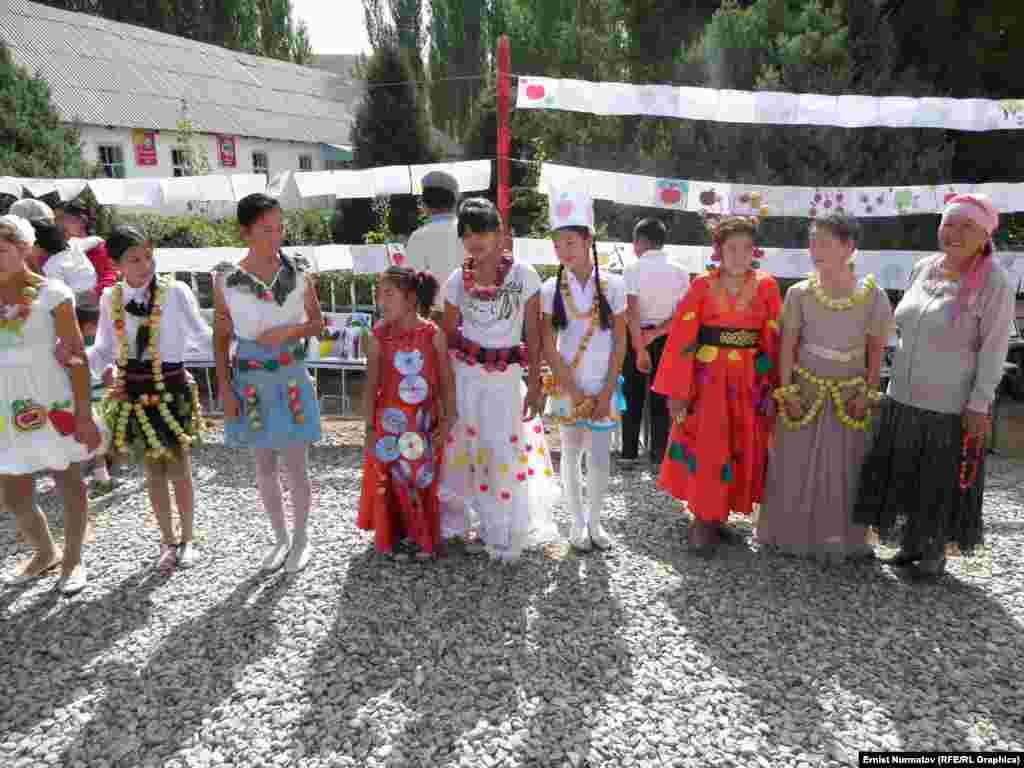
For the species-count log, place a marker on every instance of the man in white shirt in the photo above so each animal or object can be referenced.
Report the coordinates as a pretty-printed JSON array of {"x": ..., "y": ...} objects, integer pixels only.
[
  {"x": 654, "y": 285},
  {"x": 53, "y": 256},
  {"x": 435, "y": 247}
]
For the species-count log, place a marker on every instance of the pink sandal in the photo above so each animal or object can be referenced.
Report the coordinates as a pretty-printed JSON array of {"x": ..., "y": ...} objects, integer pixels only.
[{"x": 168, "y": 559}]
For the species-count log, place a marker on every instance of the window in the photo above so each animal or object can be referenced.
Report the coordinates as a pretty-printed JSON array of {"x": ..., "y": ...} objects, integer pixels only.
[
  {"x": 112, "y": 160},
  {"x": 305, "y": 162},
  {"x": 259, "y": 163},
  {"x": 180, "y": 162}
]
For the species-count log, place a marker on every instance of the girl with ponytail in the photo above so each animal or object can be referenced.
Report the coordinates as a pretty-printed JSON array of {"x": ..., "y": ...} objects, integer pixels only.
[
  {"x": 409, "y": 396},
  {"x": 584, "y": 333}
]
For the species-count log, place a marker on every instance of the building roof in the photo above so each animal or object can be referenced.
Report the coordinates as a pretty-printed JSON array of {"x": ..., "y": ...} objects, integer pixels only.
[{"x": 103, "y": 72}]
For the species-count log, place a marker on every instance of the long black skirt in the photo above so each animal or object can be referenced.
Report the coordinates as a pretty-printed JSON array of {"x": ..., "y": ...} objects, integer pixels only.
[{"x": 910, "y": 483}]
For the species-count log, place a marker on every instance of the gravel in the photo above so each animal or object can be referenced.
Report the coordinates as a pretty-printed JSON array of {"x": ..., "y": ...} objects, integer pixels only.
[{"x": 647, "y": 655}]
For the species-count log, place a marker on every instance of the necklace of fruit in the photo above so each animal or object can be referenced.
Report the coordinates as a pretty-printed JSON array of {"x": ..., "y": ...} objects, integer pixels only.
[
  {"x": 484, "y": 292},
  {"x": 123, "y": 406},
  {"x": 15, "y": 316}
]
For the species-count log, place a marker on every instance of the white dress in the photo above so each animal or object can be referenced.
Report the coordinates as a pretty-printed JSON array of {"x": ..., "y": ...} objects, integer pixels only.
[
  {"x": 497, "y": 468},
  {"x": 37, "y": 418}
]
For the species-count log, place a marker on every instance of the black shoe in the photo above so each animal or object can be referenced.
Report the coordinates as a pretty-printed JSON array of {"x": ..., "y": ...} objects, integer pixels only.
[{"x": 901, "y": 559}]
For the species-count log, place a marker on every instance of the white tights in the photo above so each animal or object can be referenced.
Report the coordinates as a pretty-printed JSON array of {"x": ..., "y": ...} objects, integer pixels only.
[
  {"x": 269, "y": 483},
  {"x": 598, "y": 447}
]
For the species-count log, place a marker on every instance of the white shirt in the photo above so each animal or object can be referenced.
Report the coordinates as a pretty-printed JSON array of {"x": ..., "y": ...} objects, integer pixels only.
[
  {"x": 73, "y": 268},
  {"x": 180, "y": 322},
  {"x": 251, "y": 316},
  {"x": 592, "y": 373},
  {"x": 495, "y": 324},
  {"x": 436, "y": 248},
  {"x": 658, "y": 284}
]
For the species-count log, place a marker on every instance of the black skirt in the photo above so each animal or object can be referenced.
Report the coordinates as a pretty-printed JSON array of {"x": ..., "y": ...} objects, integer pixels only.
[
  {"x": 910, "y": 483},
  {"x": 136, "y": 435}
]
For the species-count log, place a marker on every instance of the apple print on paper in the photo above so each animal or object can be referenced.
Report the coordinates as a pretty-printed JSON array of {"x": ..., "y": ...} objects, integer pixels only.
[
  {"x": 871, "y": 203},
  {"x": 536, "y": 93},
  {"x": 671, "y": 193},
  {"x": 827, "y": 202},
  {"x": 397, "y": 255},
  {"x": 749, "y": 204}
]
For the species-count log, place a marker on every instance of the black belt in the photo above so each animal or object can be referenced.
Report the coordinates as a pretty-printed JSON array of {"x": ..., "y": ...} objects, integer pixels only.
[
  {"x": 143, "y": 369},
  {"x": 737, "y": 338}
]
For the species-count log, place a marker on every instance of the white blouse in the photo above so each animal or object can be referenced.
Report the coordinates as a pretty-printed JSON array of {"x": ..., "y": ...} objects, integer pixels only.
[
  {"x": 592, "y": 373},
  {"x": 251, "y": 316},
  {"x": 180, "y": 323}
]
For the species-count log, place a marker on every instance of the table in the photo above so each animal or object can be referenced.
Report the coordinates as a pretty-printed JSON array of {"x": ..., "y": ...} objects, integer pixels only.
[{"x": 344, "y": 366}]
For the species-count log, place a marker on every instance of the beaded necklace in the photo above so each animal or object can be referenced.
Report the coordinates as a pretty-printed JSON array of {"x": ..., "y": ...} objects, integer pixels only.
[
  {"x": 123, "y": 406},
  {"x": 584, "y": 409},
  {"x": 839, "y": 305},
  {"x": 486, "y": 292}
]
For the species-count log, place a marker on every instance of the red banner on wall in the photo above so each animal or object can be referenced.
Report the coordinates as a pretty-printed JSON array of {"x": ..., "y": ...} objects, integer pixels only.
[
  {"x": 145, "y": 147},
  {"x": 226, "y": 150}
]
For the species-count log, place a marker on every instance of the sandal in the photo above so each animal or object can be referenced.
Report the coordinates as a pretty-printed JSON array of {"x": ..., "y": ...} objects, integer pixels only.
[{"x": 30, "y": 573}]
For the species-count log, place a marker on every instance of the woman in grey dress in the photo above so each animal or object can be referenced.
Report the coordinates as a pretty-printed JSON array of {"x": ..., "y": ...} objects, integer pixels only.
[{"x": 834, "y": 328}]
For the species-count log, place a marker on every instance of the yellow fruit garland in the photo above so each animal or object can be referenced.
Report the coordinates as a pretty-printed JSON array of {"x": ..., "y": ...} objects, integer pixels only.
[
  {"x": 124, "y": 407},
  {"x": 839, "y": 305},
  {"x": 584, "y": 409},
  {"x": 826, "y": 389}
]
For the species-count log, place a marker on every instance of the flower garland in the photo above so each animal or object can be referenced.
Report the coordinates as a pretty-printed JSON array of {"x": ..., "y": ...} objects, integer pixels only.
[
  {"x": 123, "y": 407},
  {"x": 15, "y": 321},
  {"x": 487, "y": 292},
  {"x": 826, "y": 389},
  {"x": 840, "y": 305}
]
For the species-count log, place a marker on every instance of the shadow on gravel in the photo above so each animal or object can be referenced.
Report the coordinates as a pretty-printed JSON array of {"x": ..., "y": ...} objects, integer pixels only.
[
  {"x": 47, "y": 648},
  {"x": 238, "y": 467},
  {"x": 160, "y": 707},
  {"x": 931, "y": 659},
  {"x": 425, "y": 658}
]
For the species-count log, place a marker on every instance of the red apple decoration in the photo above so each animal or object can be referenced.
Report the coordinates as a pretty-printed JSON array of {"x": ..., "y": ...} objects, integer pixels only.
[{"x": 535, "y": 92}]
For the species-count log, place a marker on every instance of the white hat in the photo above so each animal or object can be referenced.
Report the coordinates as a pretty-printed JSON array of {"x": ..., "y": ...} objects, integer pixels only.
[
  {"x": 22, "y": 228},
  {"x": 571, "y": 209},
  {"x": 32, "y": 209}
]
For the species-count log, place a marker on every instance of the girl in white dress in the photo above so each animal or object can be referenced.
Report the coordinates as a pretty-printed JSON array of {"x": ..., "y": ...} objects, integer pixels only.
[
  {"x": 587, "y": 310},
  {"x": 497, "y": 468},
  {"x": 268, "y": 304},
  {"x": 46, "y": 421}
]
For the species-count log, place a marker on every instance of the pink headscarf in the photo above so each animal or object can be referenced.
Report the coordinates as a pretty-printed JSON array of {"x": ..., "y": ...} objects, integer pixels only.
[{"x": 979, "y": 209}]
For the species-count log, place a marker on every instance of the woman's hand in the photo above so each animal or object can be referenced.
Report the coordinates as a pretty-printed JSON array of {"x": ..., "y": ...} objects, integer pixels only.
[
  {"x": 108, "y": 376},
  {"x": 678, "y": 409},
  {"x": 794, "y": 407},
  {"x": 86, "y": 432},
  {"x": 232, "y": 408},
  {"x": 369, "y": 441},
  {"x": 533, "y": 403},
  {"x": 603, "y": 407},
  {"x": 643, "y": 360},
  {"x": 977, "y": 424},
  {"x": 857, "y": 407},
  {"x": 440, "y": 437},
  {"x": 275, "y": 337}
]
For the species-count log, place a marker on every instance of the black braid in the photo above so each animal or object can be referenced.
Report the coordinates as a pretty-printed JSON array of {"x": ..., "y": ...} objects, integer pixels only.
[
  {"x": 604, "y": 310},
  {"x": 558, "y": 318}
]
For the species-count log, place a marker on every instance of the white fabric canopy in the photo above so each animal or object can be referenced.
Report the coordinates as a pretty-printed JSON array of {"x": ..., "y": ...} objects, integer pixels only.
[{"x": 769, "y": 107}]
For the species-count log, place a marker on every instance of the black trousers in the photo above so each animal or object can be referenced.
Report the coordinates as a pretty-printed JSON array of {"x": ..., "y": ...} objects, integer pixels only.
[{"x": 635, "y": 387}]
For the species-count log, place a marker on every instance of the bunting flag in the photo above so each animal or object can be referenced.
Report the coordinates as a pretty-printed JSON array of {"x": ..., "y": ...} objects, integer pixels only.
[
  {"x": 761, "y": 200},
  {"x": 769, "y": 107}
]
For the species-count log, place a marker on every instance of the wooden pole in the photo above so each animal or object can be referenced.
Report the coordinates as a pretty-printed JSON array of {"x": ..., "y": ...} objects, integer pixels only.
[{"x": 504, "y": 132}]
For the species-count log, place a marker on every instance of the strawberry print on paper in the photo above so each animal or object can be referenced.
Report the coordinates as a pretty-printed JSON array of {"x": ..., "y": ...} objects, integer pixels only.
[{"x": 671, "y": 193}]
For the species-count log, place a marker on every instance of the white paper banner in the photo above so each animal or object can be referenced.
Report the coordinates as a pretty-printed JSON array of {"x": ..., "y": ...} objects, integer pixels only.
[
  {"x": 754, "y": 199},
  {"x": 472, "y": 175},
  {"x": 769, "y": 108}
]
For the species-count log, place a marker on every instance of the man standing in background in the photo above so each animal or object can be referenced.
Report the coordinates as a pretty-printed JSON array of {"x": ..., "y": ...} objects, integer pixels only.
[
  {"x": 654, "y": 285},
  {"x": 435, "y": 247}
]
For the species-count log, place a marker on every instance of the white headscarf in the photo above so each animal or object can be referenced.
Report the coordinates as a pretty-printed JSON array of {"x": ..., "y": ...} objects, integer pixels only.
[{"x": 22, "y": 228}]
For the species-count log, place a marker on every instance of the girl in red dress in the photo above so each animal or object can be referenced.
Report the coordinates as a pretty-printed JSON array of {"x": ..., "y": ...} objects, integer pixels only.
[
  {"x": 409, "y": 394},
  {"x": 719, "y": 368}
]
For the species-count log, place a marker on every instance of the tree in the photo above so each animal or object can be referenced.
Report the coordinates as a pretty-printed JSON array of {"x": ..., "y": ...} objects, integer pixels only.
[
  {"x": 391, "y": 126},
  {"x": 33, "y": 141}
]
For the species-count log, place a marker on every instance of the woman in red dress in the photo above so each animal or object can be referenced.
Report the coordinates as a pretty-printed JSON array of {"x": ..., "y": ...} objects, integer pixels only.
[
  {"x": 718, "y": 370},
  {"x": 409, "y": 394}
]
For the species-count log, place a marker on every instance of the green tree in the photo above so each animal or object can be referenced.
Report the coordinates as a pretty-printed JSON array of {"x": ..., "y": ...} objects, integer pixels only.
[
  {"x": 33, "y": 141},
  {"x": 391, "y": 126}
]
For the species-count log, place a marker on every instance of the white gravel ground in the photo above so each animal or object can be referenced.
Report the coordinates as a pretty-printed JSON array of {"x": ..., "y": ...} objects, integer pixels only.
[{"x": 645, "y": 656}]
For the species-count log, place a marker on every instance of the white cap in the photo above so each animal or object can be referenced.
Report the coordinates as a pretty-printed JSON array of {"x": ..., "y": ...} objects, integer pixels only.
[
  {"x": 23, "y": 230},
  {"x": 31, "y": 209},
  {"x": 571, "y": 209}
]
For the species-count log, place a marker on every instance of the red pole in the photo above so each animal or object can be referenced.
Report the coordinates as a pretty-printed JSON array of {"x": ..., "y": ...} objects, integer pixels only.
[{"x": 504, "y": 132}]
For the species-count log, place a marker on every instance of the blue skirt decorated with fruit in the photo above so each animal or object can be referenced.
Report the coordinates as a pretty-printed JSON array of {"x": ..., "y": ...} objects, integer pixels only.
[{"x": 277, "y": 396}]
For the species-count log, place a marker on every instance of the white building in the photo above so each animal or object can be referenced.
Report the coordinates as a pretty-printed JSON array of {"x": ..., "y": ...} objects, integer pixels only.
[{"x": 126, "y": 88}]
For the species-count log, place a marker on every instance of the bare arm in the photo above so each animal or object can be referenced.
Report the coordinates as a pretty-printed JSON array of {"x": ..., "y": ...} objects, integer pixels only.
[
  {"x": 617, "y": 356},
  {"x": 70, "y": 335},
  {"x": 562, "y": 372},
  {"x": 447, "y": 378},
  {"x": 451, "y": 319},
  {"x": 372, "y": 382},
  {"x": 534, "y": 346},
  {"x": 223, "y": 333},
  {"x": 633, "y": 322},
  {"x": 875, "y": 346}
]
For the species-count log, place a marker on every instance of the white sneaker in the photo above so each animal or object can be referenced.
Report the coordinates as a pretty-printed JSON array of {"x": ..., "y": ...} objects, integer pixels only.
[
  {"x": 73, "y": 584},
  {"x": 187, "y": 555},
  {"x": 600, "y": 537},
  {"x": 275, "y": 556},
  {"x": 298, "y": 557},
  {"x": 580, "y": 539}
]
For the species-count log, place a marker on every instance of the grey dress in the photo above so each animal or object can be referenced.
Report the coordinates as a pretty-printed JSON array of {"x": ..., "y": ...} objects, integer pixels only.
[{"x": 813, "y": 471}]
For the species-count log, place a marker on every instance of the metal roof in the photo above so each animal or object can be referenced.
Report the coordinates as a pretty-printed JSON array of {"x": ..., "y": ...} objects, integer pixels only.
[{"x": 103, "y": 72}]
